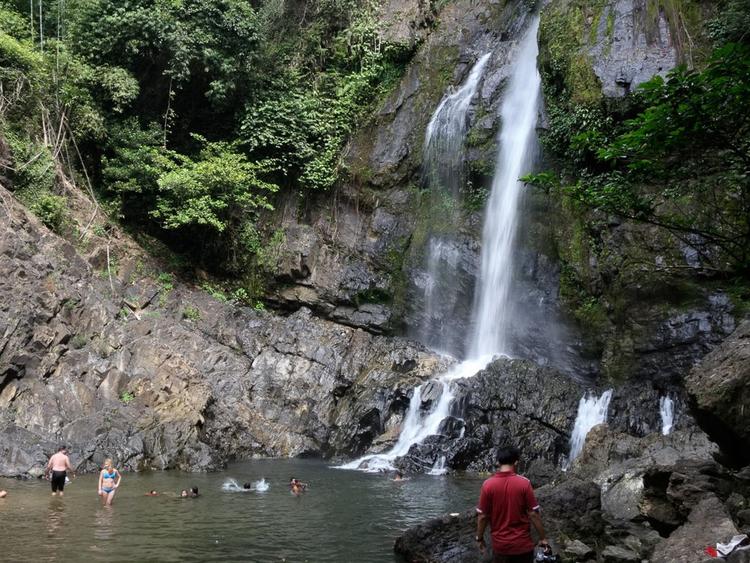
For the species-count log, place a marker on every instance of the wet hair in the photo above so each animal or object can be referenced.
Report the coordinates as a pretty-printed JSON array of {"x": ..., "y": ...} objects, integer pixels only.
[
  {"x": 508, "y": 455},
  {"x": 194, "y": 490},
  {"x": 62, "y": 447},
  {"x": 152, "y": 492}
]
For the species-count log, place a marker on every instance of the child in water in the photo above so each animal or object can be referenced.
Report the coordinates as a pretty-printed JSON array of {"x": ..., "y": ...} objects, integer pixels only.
[{"x": 109, "y": 481}]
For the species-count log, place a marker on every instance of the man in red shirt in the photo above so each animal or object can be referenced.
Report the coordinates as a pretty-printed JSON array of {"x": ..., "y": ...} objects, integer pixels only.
[{"x": 508, "y": 503}]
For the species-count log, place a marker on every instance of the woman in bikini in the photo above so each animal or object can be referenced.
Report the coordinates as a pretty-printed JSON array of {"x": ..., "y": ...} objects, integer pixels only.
[{"x": 109, "y": 480}]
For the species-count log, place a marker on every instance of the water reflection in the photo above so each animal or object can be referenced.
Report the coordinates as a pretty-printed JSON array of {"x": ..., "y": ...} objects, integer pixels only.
[
  {"x": 104, "y": 529},
  {"x": 55, "y": 517}
]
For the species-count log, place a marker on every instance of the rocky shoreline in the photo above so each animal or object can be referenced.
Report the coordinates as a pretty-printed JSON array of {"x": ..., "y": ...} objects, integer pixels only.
[{"x": 637, "y": 498}]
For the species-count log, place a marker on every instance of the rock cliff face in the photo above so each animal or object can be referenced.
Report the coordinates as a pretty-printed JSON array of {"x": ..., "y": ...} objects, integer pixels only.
[{"x": 160, "y": 375}]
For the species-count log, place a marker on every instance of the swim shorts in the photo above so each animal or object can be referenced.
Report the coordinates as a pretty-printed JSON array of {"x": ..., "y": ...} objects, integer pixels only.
[{"x": 58, "y": 481}]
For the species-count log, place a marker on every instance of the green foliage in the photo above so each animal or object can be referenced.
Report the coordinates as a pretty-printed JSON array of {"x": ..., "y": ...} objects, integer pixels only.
[
  {"x": 166, "y": 280},
  {"x": 216, "y": 198},
  {"x": 215, "y": 192},
  {"x": 215, "y": 291},
  {"x": 52, "y": 210},
  {"x": 187, "y": 115},
  {"x": 302, "y": 126},
  {"x": 191, "y": 313},
  {"x": 732, "y": 23},
  {"x": 126, "y": 397},
  {"x": 681, "y": 163},
  {"x": 78, "y": 341}
]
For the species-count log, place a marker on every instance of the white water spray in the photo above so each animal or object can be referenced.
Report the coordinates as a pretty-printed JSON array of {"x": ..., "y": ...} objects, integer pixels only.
[
  {"x": 592, "y": 410},
  {"x": 443, "y": 173},
  {"x": 439, "y": 467},
  {"x": 232, "y": 486},
  {"x": 666, "y": 410},
  {"x": 492, "y": 309},
  {"x": 519, "y": 112}
]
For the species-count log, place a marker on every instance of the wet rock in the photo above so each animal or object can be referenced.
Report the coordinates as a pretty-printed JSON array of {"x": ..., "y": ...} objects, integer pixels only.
[
  {"x": 510, "y": 401},
  {"x": 448, "y": 539},
  {"x": 719, "y": 387}
]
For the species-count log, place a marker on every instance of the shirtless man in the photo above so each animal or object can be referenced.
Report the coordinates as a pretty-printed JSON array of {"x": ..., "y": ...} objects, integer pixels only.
[{"x": 58, "y": 465}]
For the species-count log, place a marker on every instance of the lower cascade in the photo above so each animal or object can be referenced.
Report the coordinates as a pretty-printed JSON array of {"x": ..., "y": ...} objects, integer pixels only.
[
  {"x": 491, "y": 308},
  {"x": 592, "y": 410},
  {"x": 666, "y": 410}
]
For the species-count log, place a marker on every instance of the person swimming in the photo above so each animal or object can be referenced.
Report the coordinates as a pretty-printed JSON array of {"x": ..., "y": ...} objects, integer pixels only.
[
  {"x": 297, "y": 487},
  {"x": 109, "y": 481},
  {"x": 190, "y": 493},
  {"x": 152, "y": 493},
  {"x": 3, "y": 494}
]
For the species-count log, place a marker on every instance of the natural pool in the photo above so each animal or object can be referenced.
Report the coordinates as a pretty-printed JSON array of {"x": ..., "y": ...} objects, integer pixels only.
[{"x": 344, "y": 516}]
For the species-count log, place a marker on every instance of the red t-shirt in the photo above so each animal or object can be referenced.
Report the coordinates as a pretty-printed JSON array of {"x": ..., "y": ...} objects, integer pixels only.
[{"x": 507, "y": 498}]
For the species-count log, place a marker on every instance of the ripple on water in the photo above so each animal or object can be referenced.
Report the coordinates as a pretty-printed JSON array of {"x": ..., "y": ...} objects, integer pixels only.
[{"x": 345, "y": 516}]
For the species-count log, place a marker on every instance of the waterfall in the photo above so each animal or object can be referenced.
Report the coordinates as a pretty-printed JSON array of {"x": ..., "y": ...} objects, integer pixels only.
[
  {"x": 666, "y": 410},
  {"x": 439, "y": 467},
  {"x": 519, "y": 112},
  {"x": 591, "y": 411},
  {"x": 443, "y": 170},
  {"x": 492, "y": 308},
  {"x": 443, "y": 159}
]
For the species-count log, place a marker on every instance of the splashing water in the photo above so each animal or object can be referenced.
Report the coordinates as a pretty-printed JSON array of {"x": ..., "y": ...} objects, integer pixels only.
[
  {"x": 519, "y": 115},
  {"x": 439, "y": 467},
  {"x": 592, "y": 410},
  {"x": 232, "y": 486},
  {"x": 666, "y": 410}
]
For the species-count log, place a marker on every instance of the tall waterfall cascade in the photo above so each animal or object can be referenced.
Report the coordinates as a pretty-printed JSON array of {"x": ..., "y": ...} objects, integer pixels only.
[
  {"x": 519, "y": 115},
  {"x": 592, "y": 410},
  {"x": 666, "y": 410},
  {"x": 443, "y": 172}
]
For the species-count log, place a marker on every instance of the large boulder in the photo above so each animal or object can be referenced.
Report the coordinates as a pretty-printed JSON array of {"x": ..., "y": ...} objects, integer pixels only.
[
  {"x": 708, "y": 523},
  {"x": 720, "y": 388}
]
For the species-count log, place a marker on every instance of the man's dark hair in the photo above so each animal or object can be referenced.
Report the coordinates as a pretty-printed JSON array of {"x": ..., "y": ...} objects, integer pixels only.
[
  {"x": 508, "y": 455},
  {"x": 61, "y": 448}
]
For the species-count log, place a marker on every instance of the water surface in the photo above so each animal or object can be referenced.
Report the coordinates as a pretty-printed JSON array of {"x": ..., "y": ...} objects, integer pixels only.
[{"x": 345, "y": 516}]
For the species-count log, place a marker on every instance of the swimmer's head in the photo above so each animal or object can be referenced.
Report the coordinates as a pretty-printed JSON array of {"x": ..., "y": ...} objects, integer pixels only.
[{"x": 184, "y": 493}]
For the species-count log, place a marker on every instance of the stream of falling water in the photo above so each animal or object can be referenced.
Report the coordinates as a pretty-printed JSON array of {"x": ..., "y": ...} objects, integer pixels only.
[
  {"x": 443, "y": 172},
  {"x": 488, "y": 338}
]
